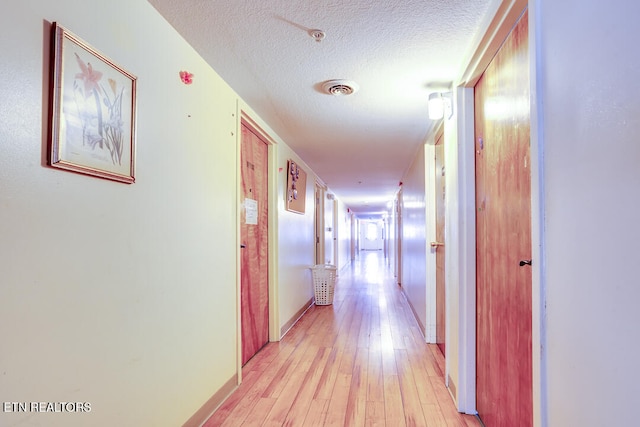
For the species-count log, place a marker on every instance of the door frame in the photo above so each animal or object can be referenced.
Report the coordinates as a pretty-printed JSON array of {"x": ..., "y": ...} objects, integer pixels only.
[
  {"x": 439, "y": 137},
  {"x": 320, "y": 191},
  {"x": 272, "y": 186}
]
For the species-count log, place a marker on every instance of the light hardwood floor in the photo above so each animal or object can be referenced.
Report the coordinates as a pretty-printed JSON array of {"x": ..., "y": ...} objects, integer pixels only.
[{"x": 359, "y": 362}]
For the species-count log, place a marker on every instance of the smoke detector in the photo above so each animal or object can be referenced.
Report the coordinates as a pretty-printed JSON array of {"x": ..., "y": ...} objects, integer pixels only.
[{"x": 340, "y": 87}]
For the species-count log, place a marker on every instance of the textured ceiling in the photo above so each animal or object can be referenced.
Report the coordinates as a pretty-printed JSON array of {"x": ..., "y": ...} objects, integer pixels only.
[{"x": 396, "y": 50}]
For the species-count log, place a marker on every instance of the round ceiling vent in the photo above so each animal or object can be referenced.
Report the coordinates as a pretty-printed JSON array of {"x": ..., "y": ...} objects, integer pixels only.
[{"x": 340, "y": 87}]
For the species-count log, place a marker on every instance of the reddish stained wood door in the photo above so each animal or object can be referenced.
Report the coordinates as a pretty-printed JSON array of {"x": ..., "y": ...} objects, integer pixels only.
[
  {"x": 503, "y": 201},
  {"x": 254, "y": 290},
  {"x": 440, "y": 264}
]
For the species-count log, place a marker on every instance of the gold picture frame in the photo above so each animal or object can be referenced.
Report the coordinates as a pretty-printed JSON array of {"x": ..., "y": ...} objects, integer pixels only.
[{"x": 93, "y": 111}]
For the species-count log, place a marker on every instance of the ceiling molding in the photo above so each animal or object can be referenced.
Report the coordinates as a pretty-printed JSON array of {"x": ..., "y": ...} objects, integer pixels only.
[{"x": 503, "y": 21}]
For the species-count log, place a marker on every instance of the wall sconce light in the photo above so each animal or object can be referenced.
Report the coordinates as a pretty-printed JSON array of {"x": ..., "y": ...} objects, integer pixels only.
[{"x": 440, "y": 105}]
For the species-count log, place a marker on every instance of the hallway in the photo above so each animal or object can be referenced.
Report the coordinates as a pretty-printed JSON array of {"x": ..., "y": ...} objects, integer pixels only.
[{"x": 361, "y": 361}]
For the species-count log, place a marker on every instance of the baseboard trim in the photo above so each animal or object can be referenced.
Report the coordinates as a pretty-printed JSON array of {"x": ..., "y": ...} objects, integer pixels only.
[
  {"x": 285, "y": 328},
  {"x": 422, "y": 328},
  {"x": 452, "y": 388},
  {"x": 210, "y": 406}
]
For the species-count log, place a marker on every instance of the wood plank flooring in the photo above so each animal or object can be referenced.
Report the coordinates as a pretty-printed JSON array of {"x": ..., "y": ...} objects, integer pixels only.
[{"x": 359, "y": 362}]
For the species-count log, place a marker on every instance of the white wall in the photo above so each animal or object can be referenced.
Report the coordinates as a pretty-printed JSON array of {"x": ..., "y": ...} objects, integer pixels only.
[
  {"x": 414, "y": 237},
  {"x": 460, "y": 250},
  {"x": 296, "y": 243},
  {"x": 392, "y": 240},
  {"x": 120, "y": 295},
  {"x": 585, "y": 133}
]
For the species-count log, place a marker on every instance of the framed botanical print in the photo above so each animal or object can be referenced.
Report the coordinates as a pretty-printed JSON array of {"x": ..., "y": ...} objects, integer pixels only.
[{"x": 93, "y": 111}]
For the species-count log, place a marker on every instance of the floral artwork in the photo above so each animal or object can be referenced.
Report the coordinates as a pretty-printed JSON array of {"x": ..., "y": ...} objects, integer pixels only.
[
  {"x": 93, "y": 123},
  {"x": 102, "y": 126}
]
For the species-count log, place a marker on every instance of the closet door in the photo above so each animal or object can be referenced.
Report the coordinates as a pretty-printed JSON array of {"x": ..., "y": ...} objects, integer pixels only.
[
  {"x": 254, "y": 289},
  {"x": 503, "y": 221}
]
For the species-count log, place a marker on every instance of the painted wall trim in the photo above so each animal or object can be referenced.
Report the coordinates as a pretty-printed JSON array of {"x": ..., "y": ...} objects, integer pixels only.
[
  {"x": 238, "y": 136},
  {"x": 274, "y": 252},
  {"x": 538, "y": 252},
  {"x": 214, "y": 402},
  {"x": 504, "y": 19},
  {"x": 464, "y": 253}
]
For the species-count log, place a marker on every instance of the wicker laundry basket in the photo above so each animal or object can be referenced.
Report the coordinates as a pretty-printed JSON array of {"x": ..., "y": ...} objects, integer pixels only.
[{"x": 324, "y": 282}]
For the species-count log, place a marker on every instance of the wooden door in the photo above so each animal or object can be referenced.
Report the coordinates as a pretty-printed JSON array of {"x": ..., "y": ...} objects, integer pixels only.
[
  {"x": 438, "y": 245},
  {"x": 503, "y": 220},
  {"x": 254, "y": 290}
]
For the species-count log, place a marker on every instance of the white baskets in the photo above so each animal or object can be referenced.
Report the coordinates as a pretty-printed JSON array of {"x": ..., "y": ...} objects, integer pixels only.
[{"x": 324, "y": 281}]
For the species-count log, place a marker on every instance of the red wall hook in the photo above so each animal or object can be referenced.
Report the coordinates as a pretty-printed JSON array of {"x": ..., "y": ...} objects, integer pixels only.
[{"x": 186, "y": 77}]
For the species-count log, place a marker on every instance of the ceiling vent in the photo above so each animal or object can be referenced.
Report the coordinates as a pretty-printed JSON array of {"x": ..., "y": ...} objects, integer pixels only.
[{"x": 340, "y": 87}]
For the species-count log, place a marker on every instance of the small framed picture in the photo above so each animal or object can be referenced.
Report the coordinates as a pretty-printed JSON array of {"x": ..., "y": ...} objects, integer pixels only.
[
  {"x": 296, "y": 188},
  {"x": 93, "y": 111}
]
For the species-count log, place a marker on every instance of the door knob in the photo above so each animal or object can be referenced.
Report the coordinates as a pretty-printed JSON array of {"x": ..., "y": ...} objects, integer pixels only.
[
  {"x": 525, "y": 262},
  {"x": 436, "y": 244},
  {"x": 242, "y": 246}
]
